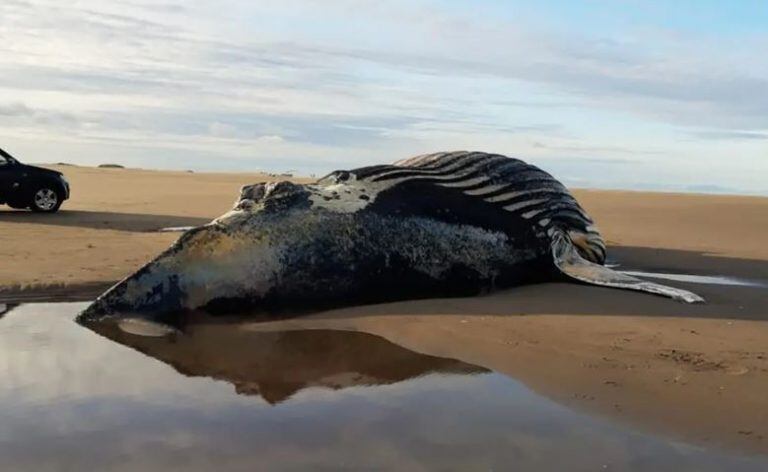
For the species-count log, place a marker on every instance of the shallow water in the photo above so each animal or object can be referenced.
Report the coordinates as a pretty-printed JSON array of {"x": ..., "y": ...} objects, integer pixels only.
[
  {"x": 228, "y": 397},
  {"x": 175, "y": 229}
]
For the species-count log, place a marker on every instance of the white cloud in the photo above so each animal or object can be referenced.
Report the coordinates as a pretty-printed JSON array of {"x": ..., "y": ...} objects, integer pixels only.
[{"x": 344, "y": 83}]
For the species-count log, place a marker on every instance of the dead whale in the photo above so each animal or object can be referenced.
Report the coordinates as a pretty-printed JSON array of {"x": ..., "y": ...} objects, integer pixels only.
[{"x": 446, "y": 224}]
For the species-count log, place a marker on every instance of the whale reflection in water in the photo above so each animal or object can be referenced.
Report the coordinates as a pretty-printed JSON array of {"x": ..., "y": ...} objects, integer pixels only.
[{"x": 277, "y": 364}]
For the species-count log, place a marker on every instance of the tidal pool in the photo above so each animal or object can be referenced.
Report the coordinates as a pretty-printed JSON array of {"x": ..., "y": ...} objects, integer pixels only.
[{"x": 223, "y": 397}]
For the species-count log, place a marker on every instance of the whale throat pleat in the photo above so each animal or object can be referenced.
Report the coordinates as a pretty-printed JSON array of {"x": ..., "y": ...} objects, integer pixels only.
[{"x": 519, "y": 188}]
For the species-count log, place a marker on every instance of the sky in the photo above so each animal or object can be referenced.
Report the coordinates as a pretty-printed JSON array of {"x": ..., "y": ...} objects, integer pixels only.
[{"x": 635, "y": 94}]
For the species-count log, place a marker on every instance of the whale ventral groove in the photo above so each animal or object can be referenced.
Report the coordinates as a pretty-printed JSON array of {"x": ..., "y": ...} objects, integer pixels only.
[{"x": 444, "y": 224}]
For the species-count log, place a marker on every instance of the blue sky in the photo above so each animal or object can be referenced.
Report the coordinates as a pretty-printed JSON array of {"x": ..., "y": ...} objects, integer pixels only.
[{"x": 624, "y": 93}]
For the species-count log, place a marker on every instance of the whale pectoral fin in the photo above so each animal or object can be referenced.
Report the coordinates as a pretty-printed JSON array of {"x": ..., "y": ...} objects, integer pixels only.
[{"x": 570, "y": 263}]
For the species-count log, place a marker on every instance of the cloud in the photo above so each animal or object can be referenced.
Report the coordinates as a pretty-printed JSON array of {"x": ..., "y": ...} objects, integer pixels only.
[
  {"x": 575, "y": 149},
  {"x": 352, "y": 82},
  {"x": 20, "y": 114},
  {"x": 730, "y": 135},
  {"x": 228, "y": 131},
  {"x": 15, "y": 109}
]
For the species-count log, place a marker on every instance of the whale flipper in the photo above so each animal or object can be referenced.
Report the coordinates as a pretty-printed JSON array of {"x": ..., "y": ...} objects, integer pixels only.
[{"x": 571, "y": 264}]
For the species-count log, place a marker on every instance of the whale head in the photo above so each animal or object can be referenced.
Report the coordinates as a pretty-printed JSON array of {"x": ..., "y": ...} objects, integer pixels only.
[{"x": 235, "y": 257}]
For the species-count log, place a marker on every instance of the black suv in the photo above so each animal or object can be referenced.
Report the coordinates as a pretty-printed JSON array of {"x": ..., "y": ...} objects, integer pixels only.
[{"x": 25, "y": 186}]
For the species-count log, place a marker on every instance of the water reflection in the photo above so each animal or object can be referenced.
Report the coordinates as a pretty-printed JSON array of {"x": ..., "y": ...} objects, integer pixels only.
[
  {"x": 276, "y": 365},
  {"x": 73, "y": 400}
]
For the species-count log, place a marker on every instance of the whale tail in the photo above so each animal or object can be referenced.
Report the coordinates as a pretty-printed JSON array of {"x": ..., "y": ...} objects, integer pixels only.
[{"x": 568, "y": 260}]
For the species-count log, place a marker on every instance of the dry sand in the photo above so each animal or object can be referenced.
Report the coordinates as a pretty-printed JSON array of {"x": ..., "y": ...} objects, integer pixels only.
[{"x": 697, "y": 372}]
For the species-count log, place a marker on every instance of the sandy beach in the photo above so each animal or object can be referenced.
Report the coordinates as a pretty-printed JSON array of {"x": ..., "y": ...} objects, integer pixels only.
[{"x": 697, "y": 372}]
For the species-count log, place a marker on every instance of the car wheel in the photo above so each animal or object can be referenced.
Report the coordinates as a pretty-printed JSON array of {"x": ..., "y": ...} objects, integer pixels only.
[{"x": 45, "y": 200}]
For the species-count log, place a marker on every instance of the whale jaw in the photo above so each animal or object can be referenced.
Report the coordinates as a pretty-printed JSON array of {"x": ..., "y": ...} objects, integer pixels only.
[{"x": 151, "y": 293}]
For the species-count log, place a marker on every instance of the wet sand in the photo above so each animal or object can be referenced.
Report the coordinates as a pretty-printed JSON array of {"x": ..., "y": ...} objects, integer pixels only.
[{"x": 696, "y": 372}]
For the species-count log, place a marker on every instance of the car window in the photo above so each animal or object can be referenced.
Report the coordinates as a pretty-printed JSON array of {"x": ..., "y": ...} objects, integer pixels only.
[{"x": 3, "y": 161}]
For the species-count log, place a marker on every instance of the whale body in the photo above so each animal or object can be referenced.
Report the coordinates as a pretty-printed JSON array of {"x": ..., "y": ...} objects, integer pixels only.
[{"x": 445, "y": 224}]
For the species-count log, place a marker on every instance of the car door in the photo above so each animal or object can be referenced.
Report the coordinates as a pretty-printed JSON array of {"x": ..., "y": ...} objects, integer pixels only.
[
  {"x": 6, "y": 177},
  {"x": 12, "y": 179}
]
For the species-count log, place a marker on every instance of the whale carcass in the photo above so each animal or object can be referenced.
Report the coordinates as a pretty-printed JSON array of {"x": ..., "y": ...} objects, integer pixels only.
[{"x": 445, "y": 224}]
